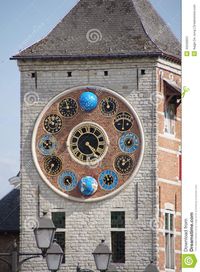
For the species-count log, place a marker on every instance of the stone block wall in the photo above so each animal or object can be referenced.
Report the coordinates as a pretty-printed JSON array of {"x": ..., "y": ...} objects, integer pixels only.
[{"x": 88, "y": 223}]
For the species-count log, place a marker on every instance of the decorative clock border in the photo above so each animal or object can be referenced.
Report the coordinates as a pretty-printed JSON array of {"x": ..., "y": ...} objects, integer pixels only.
[{"x": 49, "y": 104}]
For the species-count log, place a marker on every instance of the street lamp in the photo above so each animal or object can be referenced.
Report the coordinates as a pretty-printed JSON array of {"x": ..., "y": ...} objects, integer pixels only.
[
  {"x": 54, "y": 257},
  {"x": 44, "y": 233},
  {"x": 151, "y": 268},
  {"x": 102, "y": 256}
]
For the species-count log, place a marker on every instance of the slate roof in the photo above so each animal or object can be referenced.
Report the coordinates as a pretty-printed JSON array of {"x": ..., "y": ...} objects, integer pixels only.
[
  {"x": 107, "y": 28},
  {"x": 9, "y": 212}
]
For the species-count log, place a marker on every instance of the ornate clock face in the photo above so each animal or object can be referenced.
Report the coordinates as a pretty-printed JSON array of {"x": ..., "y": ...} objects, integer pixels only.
[
  {"x": 108, "y": 180},
  {"x": 123, "y": 121},
  {"x": 129, "y": 142},
  {"x": 108, "y": 106},
  {"x": 124, "y": 164},
  {"x": 53, "y": 123},
  {"x": 68, "y": 107},
  {"x": 47, "y": 144},
  {"x": 67, "y": 181},
  {"x": 87, "y": 143},
  {"x": 52, "y": 165}
]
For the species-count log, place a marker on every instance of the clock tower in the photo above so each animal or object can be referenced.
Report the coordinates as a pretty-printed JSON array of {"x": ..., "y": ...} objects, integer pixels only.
[{"x": 100, "y": 136}]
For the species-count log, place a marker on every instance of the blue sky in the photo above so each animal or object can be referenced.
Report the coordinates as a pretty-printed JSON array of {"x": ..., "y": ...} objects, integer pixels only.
[{"x": 23, "y": 23}]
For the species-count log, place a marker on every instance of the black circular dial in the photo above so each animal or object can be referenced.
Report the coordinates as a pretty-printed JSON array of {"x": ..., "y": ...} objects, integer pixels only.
[
  {"x": 123, "y": 121},
  {"x": 108, "y": 106},
  {"x": 108, "y": 180},
  {"x": 53, "y": 165},
  {"x": 128, "y": 142},
  {"x": 123, "y": 164},
  {"x": 68, "y": 107},
  {"x": 67, "y": 181},
  {"x": 53, "y": 123},
  {"x": 88, "y": 143}
]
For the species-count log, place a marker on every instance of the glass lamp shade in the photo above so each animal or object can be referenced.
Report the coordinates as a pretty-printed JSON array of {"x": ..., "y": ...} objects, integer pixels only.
[
  {"x": 44, "y": 233},
  {"x": 54, "y": 257},
  {"x": 102, "y": 256}
]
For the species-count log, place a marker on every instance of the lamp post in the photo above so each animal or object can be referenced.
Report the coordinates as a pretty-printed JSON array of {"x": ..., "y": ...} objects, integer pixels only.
[
  {"x": 44, "y": 235},
  {"x": 102, "y": 256}
]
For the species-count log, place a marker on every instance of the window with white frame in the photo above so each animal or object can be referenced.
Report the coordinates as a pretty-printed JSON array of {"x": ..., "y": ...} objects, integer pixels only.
[
  {"x": 170, "y": 114},
  {"x": 58, "y": 219},
  {"x": 118, "y": 236},
  {"x": 169, "y": 240}
]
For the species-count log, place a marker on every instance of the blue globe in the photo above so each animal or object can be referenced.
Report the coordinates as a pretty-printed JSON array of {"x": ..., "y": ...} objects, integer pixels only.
[
  {"x": 88, "y": 186},
  {"x": 88, "y": 101}
]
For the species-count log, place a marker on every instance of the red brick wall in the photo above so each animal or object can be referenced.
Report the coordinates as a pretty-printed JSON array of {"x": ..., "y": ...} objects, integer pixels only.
[{"x": 168, "y": 171}]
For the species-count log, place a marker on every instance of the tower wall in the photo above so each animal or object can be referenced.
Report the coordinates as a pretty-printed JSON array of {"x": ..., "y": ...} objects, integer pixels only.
[{"x": 88, "y": 223}]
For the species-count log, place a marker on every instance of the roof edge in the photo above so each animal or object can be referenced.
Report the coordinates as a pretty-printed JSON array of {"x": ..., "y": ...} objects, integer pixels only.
[{"x": 110, "y": 56}]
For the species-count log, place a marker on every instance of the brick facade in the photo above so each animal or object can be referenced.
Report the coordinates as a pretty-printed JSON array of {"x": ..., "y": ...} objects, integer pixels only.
[{"x": 168, "y": 167}]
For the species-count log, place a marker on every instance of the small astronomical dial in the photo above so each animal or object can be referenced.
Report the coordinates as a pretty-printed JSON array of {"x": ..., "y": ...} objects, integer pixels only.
[
  {"x": 129, "y": 142},
  {"x": 68, "y": 107},
  {"x": 108, "y": 180},
  {"x": 123, "y": 121},
  {"x": 123, "y": 164},
  {"x": 47, "y": 144},
  {"x": 53, "y": 123},
  {"x": 87, "y": 143},
  {"x": 67, "y": 181},
  {"x": 108, "y": 106},
  {"x": 53, "y": 165}
]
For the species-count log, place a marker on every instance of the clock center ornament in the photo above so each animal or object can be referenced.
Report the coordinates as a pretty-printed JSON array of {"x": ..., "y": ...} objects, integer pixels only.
[{"x": 88, "y": 143}]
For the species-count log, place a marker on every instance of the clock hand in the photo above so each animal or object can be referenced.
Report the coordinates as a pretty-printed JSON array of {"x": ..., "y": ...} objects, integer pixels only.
[
  {"x": 92, "y": 149},
  {"x": 124, "y": 162},
  {"x": 107, "y": 104},
  {"x": 67, "y": 181},
  {"x": 123, "y": 123},
  {"x": 106, "y": 179},
  {"x": 109, "y": 180},
  {"x": 67, "y": 107}
]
